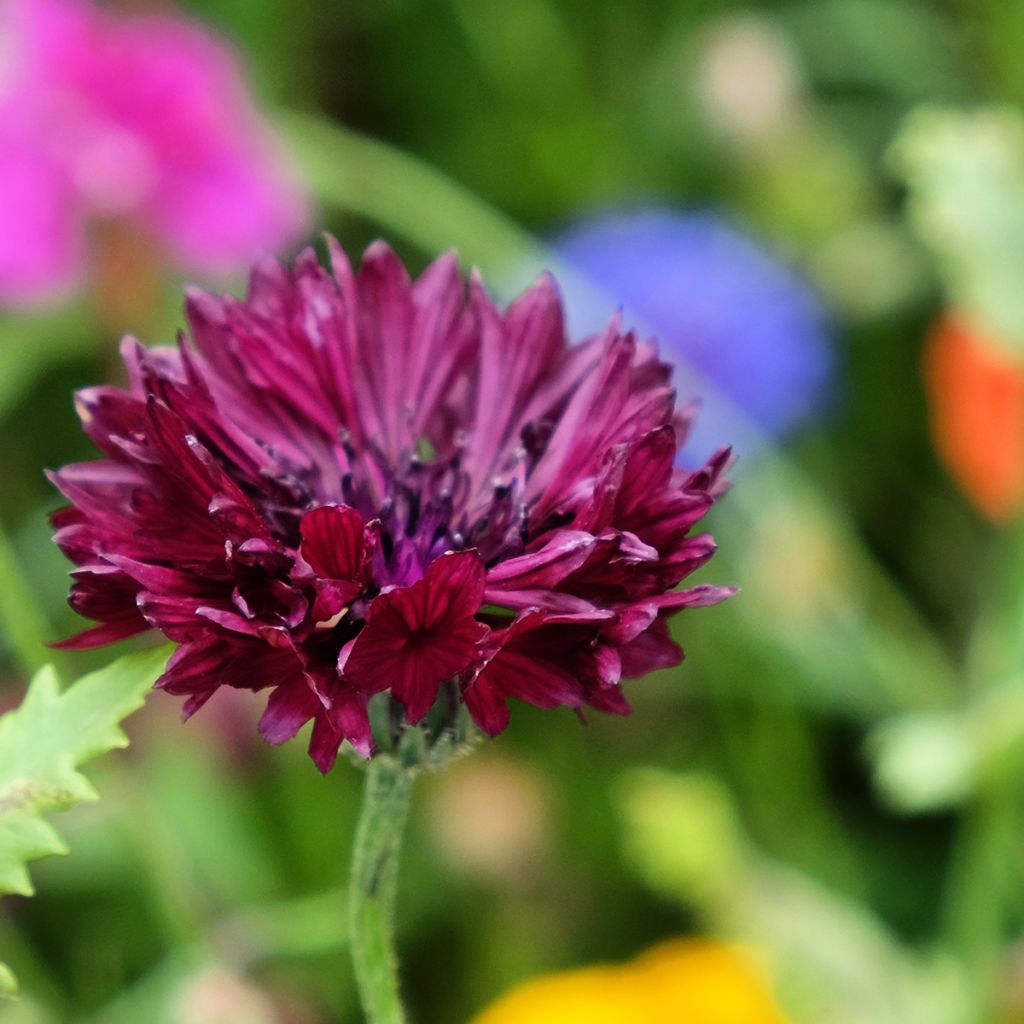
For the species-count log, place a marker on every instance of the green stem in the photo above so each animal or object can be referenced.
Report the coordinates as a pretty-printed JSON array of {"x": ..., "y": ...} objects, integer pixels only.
[
  {"x": 984, "y": 881},
  {"x": 373, "y": 883},
  {"x": 981, "y": 889}
]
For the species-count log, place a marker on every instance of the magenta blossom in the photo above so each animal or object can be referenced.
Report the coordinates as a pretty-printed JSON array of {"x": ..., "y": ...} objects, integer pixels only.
[
  {"x": 142, "y": 117},
  {"x": 351, "y": 483}
]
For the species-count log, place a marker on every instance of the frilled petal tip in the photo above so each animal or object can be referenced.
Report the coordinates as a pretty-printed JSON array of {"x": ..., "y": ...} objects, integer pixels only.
[
  {"x": 418, "y": 637},
  {"x": 354, "y": 482}
]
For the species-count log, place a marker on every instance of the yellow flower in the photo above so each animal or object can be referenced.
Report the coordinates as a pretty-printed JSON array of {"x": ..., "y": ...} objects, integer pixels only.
[{"x": 685, "y": 981}]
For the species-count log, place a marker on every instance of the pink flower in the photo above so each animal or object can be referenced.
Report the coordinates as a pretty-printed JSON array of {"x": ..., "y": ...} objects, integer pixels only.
[
  {"x": 144, "y": 117},
  {"x": 351, "y": 483}
]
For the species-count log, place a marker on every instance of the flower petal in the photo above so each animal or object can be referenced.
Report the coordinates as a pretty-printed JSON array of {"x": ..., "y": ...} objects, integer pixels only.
[
  {"x": 332, "y": 542},
  {"x": 417, "y": 637},
  {"x": 563, "y": 553},
  {"x": 289, "y": 707}
]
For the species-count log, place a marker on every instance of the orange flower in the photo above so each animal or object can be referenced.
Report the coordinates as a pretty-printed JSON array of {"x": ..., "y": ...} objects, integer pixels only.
[
  {"x": 976, "y": 391},
  {"x": 684, "y": 980}
]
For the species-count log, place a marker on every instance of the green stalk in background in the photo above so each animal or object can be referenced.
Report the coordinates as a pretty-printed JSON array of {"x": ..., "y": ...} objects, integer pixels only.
[
  {"x": 31, "y": 345},
  {"x": 24, "y": 625}
]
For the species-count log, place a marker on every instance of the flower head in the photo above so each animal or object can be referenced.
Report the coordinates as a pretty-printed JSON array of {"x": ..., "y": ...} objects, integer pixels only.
[
  {"x": 975, "y": 386},
  {"x": 354, "y": 482},
  {"x": 141, "y": 117},
  {"x": 680, "y": 980},
  {"x": 717, "y": 301}
]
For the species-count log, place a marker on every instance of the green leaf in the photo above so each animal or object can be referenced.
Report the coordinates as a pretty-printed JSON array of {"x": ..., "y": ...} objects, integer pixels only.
[
  {"x": 43, "y": 741},
  {"x": 8, "y": 983},
  {"x": 933, "y": 761}
]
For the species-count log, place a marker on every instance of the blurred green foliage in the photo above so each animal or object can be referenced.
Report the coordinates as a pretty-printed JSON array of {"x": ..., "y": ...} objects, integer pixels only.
[
  {"x": 965, "y": 172},
  {"x": 43, "y": 742},
  {"x": 878, "y": 634}
]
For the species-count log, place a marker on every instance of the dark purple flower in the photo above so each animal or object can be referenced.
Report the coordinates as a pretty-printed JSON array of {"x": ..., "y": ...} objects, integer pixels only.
[
  {"x": 718, "y": 301},
  {"x": 350, "y": 483}
]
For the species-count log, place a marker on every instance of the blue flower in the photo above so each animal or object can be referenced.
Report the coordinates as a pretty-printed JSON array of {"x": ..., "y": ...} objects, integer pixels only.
[{"x": 718, "y": 302}]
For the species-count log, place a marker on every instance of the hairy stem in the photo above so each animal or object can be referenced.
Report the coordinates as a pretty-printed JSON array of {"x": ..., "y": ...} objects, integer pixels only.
[{"x": 373, "y": 883}]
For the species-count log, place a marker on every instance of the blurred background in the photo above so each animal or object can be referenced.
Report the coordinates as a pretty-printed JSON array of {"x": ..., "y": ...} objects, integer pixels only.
[{"x": 818, "y": 207}]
